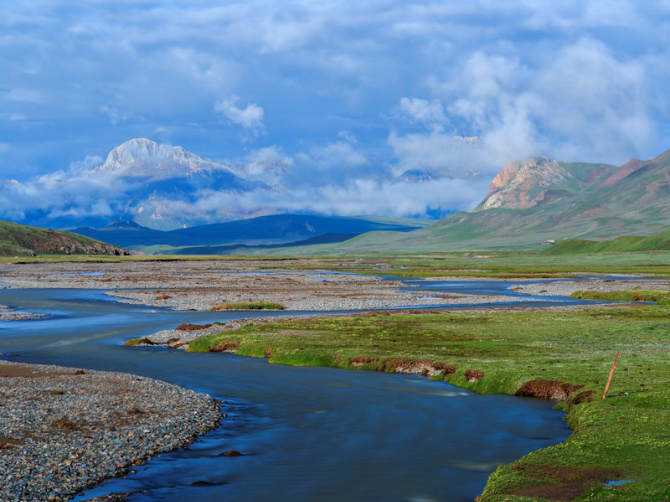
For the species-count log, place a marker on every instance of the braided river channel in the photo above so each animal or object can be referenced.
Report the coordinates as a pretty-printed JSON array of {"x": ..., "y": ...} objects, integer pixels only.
[{"x": 306, "y": 434}]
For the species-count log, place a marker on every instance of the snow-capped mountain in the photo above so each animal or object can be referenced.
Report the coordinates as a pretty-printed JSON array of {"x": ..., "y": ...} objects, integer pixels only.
[
  {"x": 166, "y": 181},
  {"x": 143, "y": 158}
]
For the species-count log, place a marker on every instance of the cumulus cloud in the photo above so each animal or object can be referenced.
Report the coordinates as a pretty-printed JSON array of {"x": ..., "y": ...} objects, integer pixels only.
[
  {"x": 347, "y": 136},
  {"x": 350, "y": 91},
  {"x": 249, "y": 117},
  {"x": 57, "y": 195},
  {"x": 430, "y": 113},
  {"x": 582, "y": 103},
  {"x": 268, "y": 165}
]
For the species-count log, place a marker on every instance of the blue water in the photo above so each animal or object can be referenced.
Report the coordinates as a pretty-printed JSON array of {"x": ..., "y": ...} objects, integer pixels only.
[{"x": 307, "y": 434}]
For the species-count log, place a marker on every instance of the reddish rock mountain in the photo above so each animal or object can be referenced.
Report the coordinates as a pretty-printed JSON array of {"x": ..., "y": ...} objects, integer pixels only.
[
  {"x": 542, "y": 200},
  {"x": 524, "y": 184}
]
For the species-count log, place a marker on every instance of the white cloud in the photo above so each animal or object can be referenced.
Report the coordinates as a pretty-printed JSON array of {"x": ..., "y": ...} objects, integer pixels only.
[
  {"x": 438, "y": 152},
  {"x": 358, "y": 197},
  {"x": 430, "y": 113},
  {"x": 391, "y": 81},
  {"x": 114, "y": 114},
  {"x": 582, "y": 103},
  {"x": 347, "y": 136},
  {"x": 267, "y": 164},
  {"x": 249, "y": 117}
]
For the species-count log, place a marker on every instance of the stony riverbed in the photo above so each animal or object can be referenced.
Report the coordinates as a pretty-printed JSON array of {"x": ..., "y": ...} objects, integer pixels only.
[{"x": 62, "y": 429}]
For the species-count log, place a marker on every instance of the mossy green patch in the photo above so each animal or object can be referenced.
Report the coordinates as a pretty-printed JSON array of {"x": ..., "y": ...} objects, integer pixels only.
[
  {"x": 261, "y": 305},
  {"x": 638, "y": 295}
]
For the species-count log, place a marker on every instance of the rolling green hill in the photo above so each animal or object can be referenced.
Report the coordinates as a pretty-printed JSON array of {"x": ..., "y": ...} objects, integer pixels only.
[
  {"x": 656, "y": 242},
  {"x": 16, "y": 239}
]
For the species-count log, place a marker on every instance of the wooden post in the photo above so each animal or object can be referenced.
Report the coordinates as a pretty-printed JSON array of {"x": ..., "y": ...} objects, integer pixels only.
[{"x": 609, "y": 380}]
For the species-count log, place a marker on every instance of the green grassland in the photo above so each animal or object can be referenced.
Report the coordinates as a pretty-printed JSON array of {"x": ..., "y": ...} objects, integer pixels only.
[
  {"x": 659, "y": 242},
  {"x": 495, "y": 265},
  {"x": 625, "y": 436},
  {"x": 638, "y": 295}
]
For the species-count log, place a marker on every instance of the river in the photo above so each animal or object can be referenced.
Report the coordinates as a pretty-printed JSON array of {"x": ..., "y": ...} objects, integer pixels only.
[{"x": 307, "y": 434}]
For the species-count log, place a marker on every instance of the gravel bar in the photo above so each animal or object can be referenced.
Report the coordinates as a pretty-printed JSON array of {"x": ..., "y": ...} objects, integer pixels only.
[{"x": 63, "y": 430}]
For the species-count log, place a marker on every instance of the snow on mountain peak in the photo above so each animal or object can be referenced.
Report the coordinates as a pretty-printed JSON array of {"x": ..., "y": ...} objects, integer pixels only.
[{"x": 142, "y": 157}]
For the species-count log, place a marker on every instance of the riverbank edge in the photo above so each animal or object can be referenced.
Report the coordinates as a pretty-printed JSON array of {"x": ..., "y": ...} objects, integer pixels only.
[
  {"x": 201, "y": 414},
  {"x": 466, "y": 378},
  {"x": 580, "y": 403}
]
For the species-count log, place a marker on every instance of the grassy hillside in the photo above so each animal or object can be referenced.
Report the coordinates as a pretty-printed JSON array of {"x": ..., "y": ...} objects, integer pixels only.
[
  {"x": 656, "y": 242},
  {"x": 16, "y": 239},
  {"x": 595, "y": 203}
]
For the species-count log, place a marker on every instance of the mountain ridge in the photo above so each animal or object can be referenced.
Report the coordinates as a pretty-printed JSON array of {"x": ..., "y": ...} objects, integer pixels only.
[
  {"x": 272, "y": 230},
  {"x": 571, "y": 201}
]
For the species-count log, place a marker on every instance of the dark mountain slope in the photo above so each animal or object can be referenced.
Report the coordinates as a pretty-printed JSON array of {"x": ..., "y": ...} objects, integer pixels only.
[{"x": 264, "y": 230}]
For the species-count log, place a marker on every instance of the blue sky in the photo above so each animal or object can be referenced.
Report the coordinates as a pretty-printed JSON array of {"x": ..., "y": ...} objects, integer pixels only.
[{"x": 342, "y": 95}]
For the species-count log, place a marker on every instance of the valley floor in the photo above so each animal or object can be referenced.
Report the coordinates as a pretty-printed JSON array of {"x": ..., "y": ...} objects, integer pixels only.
[{"x": 503, "y": 348}]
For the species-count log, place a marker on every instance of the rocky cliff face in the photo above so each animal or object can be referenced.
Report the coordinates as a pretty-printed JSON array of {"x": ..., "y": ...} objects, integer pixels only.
[{"x": 525, "y": 184}]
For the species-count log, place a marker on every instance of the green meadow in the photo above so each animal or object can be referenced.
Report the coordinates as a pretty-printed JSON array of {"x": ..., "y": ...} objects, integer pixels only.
[
  {"x": 623, "y": 437},
  {"x": 545, "y": 264}
]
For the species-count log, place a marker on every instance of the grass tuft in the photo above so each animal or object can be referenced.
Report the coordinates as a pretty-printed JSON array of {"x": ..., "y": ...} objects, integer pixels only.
[{"x": 262, "y": 305}]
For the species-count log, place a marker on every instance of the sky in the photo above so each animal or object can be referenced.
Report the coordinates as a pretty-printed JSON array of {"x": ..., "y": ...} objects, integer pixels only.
[{"x": 330, "y": 101}]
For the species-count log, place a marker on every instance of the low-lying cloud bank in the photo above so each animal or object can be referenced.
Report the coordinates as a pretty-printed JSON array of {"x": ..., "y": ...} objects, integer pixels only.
[
  {"x": 333, "y": 180},
  {"x": 327, "y": 102}
]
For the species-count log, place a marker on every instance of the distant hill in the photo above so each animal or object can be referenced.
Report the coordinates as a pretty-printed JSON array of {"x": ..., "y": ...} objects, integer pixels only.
[
  {"x": 542, "y": 199},
  {"x": 656, "y": 242},
  {"x": 263, "y": 231},
  {"x": 16, "y": 239}
]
